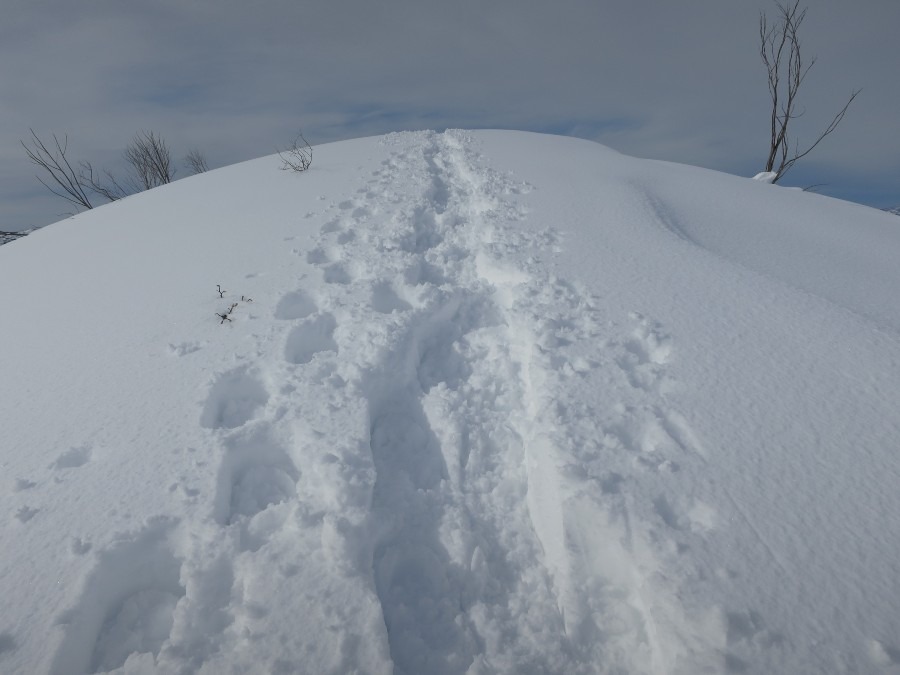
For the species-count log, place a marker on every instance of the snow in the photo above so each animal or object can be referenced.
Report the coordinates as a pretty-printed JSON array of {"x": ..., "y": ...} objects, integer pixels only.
[
  {"x": 485, "y": 402},
  {"x": 766, "y": 176}
]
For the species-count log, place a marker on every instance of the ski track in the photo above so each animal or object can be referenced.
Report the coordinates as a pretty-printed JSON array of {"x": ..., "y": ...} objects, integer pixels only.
[{"x": 429, "y": 479}]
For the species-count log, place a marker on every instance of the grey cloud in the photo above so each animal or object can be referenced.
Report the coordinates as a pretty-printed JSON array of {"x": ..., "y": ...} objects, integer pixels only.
[{"x": 676, "y": 81}]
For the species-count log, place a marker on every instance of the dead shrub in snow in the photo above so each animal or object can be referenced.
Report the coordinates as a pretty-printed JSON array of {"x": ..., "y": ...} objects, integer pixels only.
[
  {"x": 298, "y": 157},
  {"x": 196, "y": 162}
]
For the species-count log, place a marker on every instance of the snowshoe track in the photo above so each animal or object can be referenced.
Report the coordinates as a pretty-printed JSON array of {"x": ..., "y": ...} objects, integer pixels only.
[{"x": 464, "y": 490}]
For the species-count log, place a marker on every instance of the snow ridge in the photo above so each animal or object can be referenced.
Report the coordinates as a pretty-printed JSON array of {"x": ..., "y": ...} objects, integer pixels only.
[
  {"x": 601, "y": 415},
  {"x": 418, "y": 472}
]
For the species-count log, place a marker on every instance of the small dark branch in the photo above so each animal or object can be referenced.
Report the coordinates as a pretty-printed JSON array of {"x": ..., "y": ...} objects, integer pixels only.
[
  {"x": 298, "y": 157},
  {"x": 150, "y": 159},
  {"x": 196, "y": 162},
  {"x": 57, "y": 166},
  {"x": 226, "y": 315},
  {"x": 814, "y": 188},
  {"x": 111, "y": 190},
  {"x": 828, "y": 130}
]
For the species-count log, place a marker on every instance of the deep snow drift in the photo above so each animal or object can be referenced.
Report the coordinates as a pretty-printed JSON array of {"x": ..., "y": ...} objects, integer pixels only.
[{"x": 487, "y": 402}]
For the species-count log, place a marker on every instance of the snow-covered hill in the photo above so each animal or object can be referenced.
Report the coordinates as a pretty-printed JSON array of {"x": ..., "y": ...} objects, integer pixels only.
[{"x": 486, "y": 402}]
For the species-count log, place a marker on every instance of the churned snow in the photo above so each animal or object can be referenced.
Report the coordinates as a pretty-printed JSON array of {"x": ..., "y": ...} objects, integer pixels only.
[{"x": 462, "y": 402}]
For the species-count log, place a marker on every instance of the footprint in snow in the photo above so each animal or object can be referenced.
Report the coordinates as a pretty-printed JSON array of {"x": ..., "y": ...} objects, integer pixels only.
[
  {"x": 318, "y": 256},
  {"x": 333, "y": 225},
  {"x": 127, "y": 604},
  {"x": 650, "y": 343},
  {"x": 25, "y": 513},
  {"x": 336, "y": 274},
  {"x": 645, "y": 354},
  {"x": 22, "y": 484},
  {"x": 233, "y": 400},
  {"x": 309, "y": 338},
  {"x": 385, "y": 300},
  {"x": 295, "y": 305},
  {"x": 256, "y": 473},
  {"x": 73, "y": 458},
  {"x": 666, "y": 513},
  {"x": 748, "y": 628},
  {"x": 611, "y": 483}
]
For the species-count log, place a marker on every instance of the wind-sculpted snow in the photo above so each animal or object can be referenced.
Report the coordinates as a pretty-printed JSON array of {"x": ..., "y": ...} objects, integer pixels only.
[{"x": 469, "y": 415}]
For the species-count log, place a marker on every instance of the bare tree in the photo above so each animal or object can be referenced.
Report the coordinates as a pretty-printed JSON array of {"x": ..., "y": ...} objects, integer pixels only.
[
  {"x": 298, "y": 157},
  {"x": 64, "y": 180},
  {"x": 780, "y": 52},
  {"x": 196, "y": 162},
  {"x": 149, "y": 156}
]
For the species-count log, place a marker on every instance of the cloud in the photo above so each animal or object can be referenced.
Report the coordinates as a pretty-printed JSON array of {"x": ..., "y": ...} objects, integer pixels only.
[{"x": 676, "y": 81}]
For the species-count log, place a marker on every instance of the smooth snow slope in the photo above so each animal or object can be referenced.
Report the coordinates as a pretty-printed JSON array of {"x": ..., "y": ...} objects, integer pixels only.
[{"x": 488, "y": 402}]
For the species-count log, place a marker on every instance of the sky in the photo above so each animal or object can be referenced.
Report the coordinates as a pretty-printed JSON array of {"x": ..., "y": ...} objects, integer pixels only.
[{"x": 681, "y": 82}]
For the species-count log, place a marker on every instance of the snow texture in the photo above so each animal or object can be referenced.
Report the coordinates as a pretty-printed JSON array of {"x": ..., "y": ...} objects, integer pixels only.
[{"x": 484, "y": 402}]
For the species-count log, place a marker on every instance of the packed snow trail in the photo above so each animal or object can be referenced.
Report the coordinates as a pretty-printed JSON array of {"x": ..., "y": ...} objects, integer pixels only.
[
  {"x": 420, "y": 443},
  {"x": 469, "y": 559},
  {"x": 401, "y": 470}
]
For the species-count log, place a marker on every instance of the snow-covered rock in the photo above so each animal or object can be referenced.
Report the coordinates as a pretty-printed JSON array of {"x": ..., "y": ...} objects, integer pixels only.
[
  {"x": 766, "y": 176},
  {"x": 462, "y": 402}
]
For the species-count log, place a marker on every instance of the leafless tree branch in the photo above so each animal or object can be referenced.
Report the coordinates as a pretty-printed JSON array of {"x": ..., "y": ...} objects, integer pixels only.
[
  {"x": 298, "y": 157},
  {"x": 196, "y": 162},
  {"x": 57, "y": 166},
  {"x": 149, "y": 156},
  {"x": 786, "y": 71},
  {"x": 815, "y": 187},
  {"x": 111, "y": 189}
]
